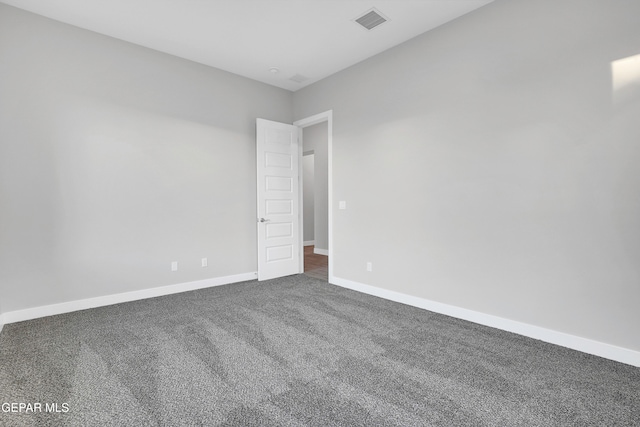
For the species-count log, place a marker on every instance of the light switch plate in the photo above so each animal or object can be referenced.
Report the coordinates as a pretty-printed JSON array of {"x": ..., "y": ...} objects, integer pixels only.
[{"x": 342, "y": 204}]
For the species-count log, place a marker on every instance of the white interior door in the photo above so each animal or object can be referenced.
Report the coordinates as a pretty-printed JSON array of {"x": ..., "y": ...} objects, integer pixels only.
[{"x": 278, "y": 200}]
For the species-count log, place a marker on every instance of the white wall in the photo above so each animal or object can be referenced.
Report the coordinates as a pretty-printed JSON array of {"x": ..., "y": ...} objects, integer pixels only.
[
  {"x": 314, "y": 138},
  {"x": 485, "y": 166},
  {"x": 308, "y": 195},
  {"x": 116, "y": 160}
]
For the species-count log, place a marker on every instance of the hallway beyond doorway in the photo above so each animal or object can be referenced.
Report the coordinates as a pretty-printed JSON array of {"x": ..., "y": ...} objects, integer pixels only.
[{"x": 316, "y": 265}]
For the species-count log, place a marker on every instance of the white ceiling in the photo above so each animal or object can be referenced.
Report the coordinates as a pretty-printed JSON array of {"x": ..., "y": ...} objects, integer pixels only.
[{"x": 313, "y": 38}]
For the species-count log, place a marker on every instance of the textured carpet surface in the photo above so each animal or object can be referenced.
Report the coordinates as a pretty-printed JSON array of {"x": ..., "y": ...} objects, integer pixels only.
[{"x": 298, "y": 352}]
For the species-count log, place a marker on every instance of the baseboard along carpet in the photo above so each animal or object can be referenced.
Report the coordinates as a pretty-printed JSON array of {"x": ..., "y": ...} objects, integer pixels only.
[{"x": 297, "y": 351}]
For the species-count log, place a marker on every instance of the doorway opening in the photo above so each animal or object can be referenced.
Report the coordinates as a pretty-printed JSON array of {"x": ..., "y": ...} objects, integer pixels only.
[
  {"x": 316, "y": 263},
  {"x": 315, "y": 171}
]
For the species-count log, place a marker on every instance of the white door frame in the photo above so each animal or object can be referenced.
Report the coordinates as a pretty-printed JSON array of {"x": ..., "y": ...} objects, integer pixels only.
[{"x": 326, "y": 116}]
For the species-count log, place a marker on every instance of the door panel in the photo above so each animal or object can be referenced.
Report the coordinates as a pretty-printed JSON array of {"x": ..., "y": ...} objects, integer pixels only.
[{"x": 278, "y": 204}]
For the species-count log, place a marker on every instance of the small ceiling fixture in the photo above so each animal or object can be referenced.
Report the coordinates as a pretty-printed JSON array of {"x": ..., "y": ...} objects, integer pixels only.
[
  {"x": 274, "y": 70},
  {"x": 371, "y": 19}
]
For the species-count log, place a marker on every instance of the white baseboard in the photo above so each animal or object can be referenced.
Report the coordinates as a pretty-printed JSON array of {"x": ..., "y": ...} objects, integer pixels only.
[
  {"x": 321, "y": 251},
  {"x": 597, "y": 348},
  {"x": 67, "y": 307},
  {"x": 309, "y": 243}
]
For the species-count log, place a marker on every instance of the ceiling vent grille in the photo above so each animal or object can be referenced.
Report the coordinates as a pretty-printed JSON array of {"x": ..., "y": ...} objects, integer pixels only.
[
  {"x": 299, "y": 78},
  {"x": 371, "y": 19}
]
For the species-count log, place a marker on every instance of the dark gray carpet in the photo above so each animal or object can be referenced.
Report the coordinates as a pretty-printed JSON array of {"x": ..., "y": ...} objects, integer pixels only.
[{"x": 299, "y": 352}]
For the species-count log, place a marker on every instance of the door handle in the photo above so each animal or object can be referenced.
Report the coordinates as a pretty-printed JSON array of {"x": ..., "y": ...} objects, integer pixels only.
[{"x": 264, "y": 220}]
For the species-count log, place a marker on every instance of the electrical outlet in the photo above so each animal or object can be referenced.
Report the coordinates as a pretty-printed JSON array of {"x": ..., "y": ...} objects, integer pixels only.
[
  {"x": 174, "y": 266},
  {"x": 205, "y": 262},
  {"x": 369, "y": 266}
]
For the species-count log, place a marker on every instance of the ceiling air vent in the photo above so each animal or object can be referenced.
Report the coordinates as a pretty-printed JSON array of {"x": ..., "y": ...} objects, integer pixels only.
[
  {"x": 299, "y": 78},
  {"x": 371, "y": 19}
]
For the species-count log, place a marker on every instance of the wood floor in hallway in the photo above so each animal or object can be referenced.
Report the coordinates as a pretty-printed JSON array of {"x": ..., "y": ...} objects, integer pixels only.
[{"x": 316, "y": 265}]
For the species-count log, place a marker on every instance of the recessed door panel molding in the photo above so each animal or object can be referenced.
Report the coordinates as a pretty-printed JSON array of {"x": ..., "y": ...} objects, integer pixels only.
[
  {"x": 277, "y": 148},
  {"x": 278, "y": 183},
  {"x": 278, "y": 207},
  {"x": 279, "y": 253},
  {"x": 282, "y": 137},
  {"x": 278, "y": 160},
  {"x": 278, "y": 230}
]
